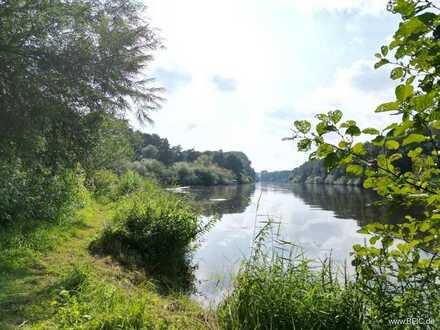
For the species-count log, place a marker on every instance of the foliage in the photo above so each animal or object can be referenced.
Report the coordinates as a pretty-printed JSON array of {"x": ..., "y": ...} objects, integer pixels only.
[
  {"x": 110, "y": 146},
  {"x": 27, "y": 194},
  {"x": 129, "y": 182},
  {"x": 63, "y": 61},
  {"x": 156, "y": 158},
  {"x": 154, "y": 169},
  {"x": 68, "y": 70},
  {"x": 279, "y": 291},
  {"x": 105, "y": 183},
  {"x": 49, "y": 281},
  {"x": 275, "y": 176},
  {"x": 153, "y": 229},
  {"x": 314, "y": 171},
  {"x": 401, "y": 276}
]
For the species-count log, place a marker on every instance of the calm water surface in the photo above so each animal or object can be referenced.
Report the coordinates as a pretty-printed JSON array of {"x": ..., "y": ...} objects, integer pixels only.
[{"x": 320, "y": 218}]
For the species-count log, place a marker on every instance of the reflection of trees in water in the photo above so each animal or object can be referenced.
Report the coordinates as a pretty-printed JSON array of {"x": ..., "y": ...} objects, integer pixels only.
[
  {"x": 348, "y": 202},
  {"x": 219, "y": 200}
]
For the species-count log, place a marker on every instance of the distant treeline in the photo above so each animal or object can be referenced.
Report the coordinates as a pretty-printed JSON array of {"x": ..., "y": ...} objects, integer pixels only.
[
  {"x": 314, "y": 171},
  {"x": 275, "y": 176},
  {"x": 155, "y": 157}
]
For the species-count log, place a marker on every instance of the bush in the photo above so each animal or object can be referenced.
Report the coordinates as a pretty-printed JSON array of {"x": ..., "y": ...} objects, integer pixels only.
[
  {"x": 129, "y": 182},
  {"x": 157, "y": 225},
  {"x": 153, "y": 229},
  {"x": 105, "y": 183},
  {"x": 37, "y": 193}
]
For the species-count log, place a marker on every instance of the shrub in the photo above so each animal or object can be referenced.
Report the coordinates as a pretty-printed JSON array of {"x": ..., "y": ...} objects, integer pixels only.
[
  {"x": 157, "y": 225},
  {"x": 105, "y": 183},
  {"x": 37, "y": 193},
  {"x": 129, "y": 182},
  {"x": 153, "y": 229}
]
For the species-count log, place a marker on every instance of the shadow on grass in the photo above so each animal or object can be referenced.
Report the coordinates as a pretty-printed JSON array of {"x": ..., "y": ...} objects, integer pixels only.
[
  {"x": 170, "y": 273},
  {"x": 24, "y": 280}
]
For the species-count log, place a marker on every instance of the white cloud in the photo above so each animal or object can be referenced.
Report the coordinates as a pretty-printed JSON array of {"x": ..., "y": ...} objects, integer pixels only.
[
  {"x": 279, "y": 62},
  {"x": 373, "y": 7},
  {"x": 356, "y": 90}
]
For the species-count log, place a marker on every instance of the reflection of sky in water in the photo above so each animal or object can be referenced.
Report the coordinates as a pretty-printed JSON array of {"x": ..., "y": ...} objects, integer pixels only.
[{"x": 223, "y": 248}]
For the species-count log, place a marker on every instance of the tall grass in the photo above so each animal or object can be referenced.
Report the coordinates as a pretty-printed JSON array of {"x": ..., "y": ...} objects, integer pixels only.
[{"x": 278, "y": 291}]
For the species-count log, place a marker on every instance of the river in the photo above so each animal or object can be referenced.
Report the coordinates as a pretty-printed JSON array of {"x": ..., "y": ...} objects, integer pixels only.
[{"x": 319, "y": 218}]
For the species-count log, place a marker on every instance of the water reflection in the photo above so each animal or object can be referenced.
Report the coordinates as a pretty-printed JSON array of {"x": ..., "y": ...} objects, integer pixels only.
[
  {"x": 219, "y": 200},
  {"x": 319, "y": 218},
  {"x": 348, "y": 202}
]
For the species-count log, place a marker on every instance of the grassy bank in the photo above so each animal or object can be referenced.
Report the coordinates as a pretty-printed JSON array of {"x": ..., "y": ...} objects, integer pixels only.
[
  {"x": 279, "y": 288},
  {"x": 50, "y": 280}
]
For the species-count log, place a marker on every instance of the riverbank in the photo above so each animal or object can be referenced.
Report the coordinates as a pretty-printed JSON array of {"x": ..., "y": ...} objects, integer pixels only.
[{"x": 49, "y": 279}]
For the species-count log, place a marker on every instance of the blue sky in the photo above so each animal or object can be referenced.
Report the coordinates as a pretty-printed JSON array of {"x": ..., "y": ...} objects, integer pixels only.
[{"x": 239, "y": 72}]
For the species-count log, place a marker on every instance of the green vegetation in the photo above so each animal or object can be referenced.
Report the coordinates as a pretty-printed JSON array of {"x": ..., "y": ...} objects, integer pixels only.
[
  {"x": 283, "y": 291},
  {"x": 275, "y": 176},
  {"x": 153, "y": 230},
  {"x": 69, "y": 73},
  {"x": 397, "y": 274},
  {"x": 315, "y": 172},
  {"x": 155, "y": 158},
  {"x": 49, "y": 280},
  {"x": 88, "y": 241},
  {"x": 399, "y": 271}
]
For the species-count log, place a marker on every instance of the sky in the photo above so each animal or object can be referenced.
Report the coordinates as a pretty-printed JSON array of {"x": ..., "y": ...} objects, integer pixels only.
[{"x": 238, "y": 73}]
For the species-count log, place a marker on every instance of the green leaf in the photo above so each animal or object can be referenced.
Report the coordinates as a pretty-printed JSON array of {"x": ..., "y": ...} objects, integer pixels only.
[
  {"x": 392, "y": 145},
  {"x": 304, "y": 145},
  {"x": 371, "y": 131},
  {"x": 335, "y": 116},
  {"x": 322, "y": 117},
  {"x": 359, "y": 149},
  {"x": 321, "y": 128},
  {"x": 389, "y": 106},
  {"x": 436, "y": 124},
  {"x": 403, "y": 92},
  {"x": 395, "y": 157},
  {"x": 405, "y": 7},
  {"x": 415, "y": 152},
  {"x": 302, "y": 126},
  {"x": 378, "y": 140},
  {"x": 353, "y": 131},
  {"x": 374, "y": 239},
  {"x": 397, "y": 73},
  {"x": 324, "y": 149},
  {"x": 354, "y": 169},
  {"x": 384, "y": 50},
  {"x": 423, "y": 102},
  {"x": 427, "y": 18},
  {"x": 414, "y": 138},
  {"x": 382, "y": 62},
  {"x": 410, "y": 27},
  {"x": 331, "y": 161}
]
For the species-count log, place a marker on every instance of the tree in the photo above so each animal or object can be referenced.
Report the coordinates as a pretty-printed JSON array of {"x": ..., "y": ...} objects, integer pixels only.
[
  {"x": 61, "y": 61},
  {"x": 401, "y": 277},
  {"x": 150, "y": 151}
]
